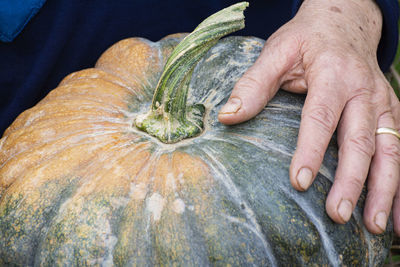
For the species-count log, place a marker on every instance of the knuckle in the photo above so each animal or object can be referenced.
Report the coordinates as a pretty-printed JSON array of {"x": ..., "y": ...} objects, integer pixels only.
[
  {"x": 386, "y": 115},
  {"x": 362, "y": 143},
  {"x": 362, "y": 93},
  {"x": 323, "y": 117},
  {"x": 355, "y": 183},
  {"x": 391, "y": 152},
  {"x": 352, "y": 184},
  {"x": 249, "y": 82}
]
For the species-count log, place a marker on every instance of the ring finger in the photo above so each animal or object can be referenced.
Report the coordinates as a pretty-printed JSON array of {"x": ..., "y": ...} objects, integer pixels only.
[{"x": 383, "y": 177}]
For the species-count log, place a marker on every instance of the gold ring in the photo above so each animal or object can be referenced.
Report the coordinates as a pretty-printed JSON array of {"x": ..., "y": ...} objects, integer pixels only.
[{"x": 385, "y": 130}]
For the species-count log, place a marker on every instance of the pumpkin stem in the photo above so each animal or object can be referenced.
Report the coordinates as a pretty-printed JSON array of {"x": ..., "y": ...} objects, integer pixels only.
[{"x": 170, "y": 119}]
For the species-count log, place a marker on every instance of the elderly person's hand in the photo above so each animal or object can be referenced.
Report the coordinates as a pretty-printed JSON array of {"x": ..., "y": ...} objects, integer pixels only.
[{"x": 329, "y": 51}]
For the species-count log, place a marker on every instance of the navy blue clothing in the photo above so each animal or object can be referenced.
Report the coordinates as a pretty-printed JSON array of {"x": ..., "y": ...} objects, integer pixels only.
[{"x": 70, "y": 35}]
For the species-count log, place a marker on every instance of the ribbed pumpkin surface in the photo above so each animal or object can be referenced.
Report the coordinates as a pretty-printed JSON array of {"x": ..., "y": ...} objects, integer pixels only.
[{"x": 80, "y": 185}]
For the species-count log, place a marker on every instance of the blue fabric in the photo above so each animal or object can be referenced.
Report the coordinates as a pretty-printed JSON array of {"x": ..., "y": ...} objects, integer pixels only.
[
  {"x": 14, "y": 15},
  {"x": 390, "y": 35}
]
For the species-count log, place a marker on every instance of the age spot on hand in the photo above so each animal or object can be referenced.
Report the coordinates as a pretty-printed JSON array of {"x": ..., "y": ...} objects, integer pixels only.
[{"x": 335, "y": 9}]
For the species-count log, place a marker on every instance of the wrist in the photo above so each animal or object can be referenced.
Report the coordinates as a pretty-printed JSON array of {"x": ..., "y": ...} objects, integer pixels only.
[{"x": 362, "y": 20}]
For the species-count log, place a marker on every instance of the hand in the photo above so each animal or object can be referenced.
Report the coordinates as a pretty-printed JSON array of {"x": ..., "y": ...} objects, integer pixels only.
[{"x": 328, "y": 50}]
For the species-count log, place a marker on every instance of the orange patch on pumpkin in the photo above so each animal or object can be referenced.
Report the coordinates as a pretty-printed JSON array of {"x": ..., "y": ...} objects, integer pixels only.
[
  {"x": 134, "y": 60},
  {"x": 189, "y": 168},
  {"x": 25, "y": 160},
  {"x": 111, "y": 174}
]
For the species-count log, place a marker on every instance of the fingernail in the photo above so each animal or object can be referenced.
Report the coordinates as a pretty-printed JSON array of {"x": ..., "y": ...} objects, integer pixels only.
[
  {"x": 304, "y": 178},
  {"x": 232, "y": 106},
  {"x": 345, "y": 209},
  {"x": 381, "y": 220}
]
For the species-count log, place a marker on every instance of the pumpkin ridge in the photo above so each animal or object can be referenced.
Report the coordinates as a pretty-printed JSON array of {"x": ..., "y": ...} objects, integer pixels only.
[
  {"x": 32, "y": 113},
  {"x": 100, "y": 84},
  {"x": 120, "y": 151},
  {"x": 23, "y": 257},
  {"x": 321, "y": 230},
  {"x": 163, "y": 227},
  {"x": 27, "y": 212},
  {"x": 91, "y": 74},
  {"x": 94, "y": 96},
  {"x": 96, "y": 200},
  {"x": 137, "y": 73},
  {"x": 34, "y": 120},
  {"x": 257, "y": 141},
  {"x": 60, "y": 105},
  {"x": 109, "y": 107},
  {"x": 43, "y": 163},
  {"x": 145, "y": 84},
  {"x": 220, "y": 171},
  {"x": 38, "y": 150},
  {"x": 350, "y": 257},
  {"x": 29, "y": 140},
  {"x": 84, "y": 112},
  {"x": 259, "y": 215},
  {"x": 94, "y": 111},
  {"x": 71, "y": 134}
]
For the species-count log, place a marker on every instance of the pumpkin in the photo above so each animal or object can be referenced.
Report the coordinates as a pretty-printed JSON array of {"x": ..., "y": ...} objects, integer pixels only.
[{"x": 86, "y": 181}]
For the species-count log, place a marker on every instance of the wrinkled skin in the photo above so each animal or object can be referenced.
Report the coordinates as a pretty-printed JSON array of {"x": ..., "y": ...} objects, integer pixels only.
[{"x": 328, "y": 50}]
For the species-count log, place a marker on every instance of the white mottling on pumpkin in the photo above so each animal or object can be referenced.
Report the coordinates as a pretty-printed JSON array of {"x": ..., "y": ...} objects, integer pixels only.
[
  {"x": 140, "y": 118},
  {"x": 118, "y": 171},
  {"x": 2, "y": 141},
  {"x": 34, "y": 116},
  {"x": 208, "y": 99},
  {"x": 117, "y": 203},
  {"x": 180, "y": 178},
  {"x": 248, "y": 46},
  {"x": 155, "y": 205},
  {"x": 178, "y": 206},
  {"x": 170, "y": 181},
  {"x": 138, "y": 191},
  {"x": 110, "y": 241},
  {"x": 212, "y": 57}
]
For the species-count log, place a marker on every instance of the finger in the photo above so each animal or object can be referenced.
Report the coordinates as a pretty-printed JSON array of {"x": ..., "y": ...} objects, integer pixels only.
[
  {"x": 383, "y": 177},
  {"x": 320, "y": 116},
  {"x": 396, "y": 212},
  {"x": 395, "y": 104},
  {"x": 260, "y": 82},
  {"x": 396, "y": 202},
  {"x": 356, "y": 139}
]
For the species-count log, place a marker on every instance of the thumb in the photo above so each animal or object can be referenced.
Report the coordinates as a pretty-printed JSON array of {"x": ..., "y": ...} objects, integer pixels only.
[{"x": 260, "y": 82}]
